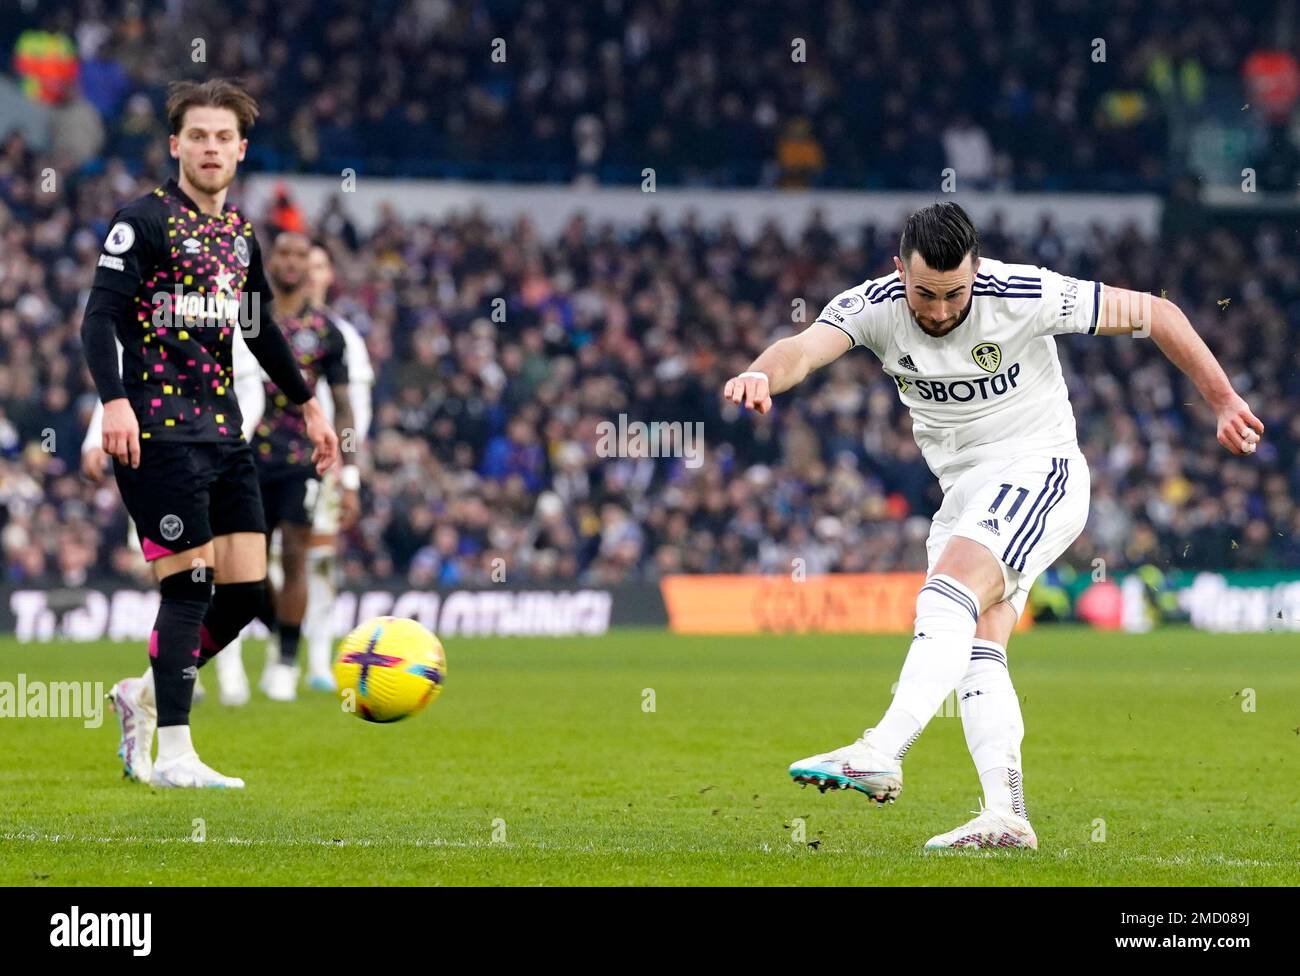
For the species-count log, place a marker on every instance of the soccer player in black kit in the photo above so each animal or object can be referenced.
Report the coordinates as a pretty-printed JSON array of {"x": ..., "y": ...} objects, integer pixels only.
[
  {"x": 180, "y": 270},
  {"x": 289, "y": 481}
]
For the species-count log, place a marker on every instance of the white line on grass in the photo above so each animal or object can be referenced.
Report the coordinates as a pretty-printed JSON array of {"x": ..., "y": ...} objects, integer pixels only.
[{"x": 1206, "y": 860}]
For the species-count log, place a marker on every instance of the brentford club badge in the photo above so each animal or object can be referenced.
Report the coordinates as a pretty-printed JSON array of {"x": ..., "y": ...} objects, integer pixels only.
[{"x": 241, "y": 251}]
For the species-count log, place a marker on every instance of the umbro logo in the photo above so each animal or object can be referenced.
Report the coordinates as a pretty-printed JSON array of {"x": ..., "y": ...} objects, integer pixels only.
[
  {"x": 906, "y": 363},
  {"x": 192, "y": 246},
  {"x": 191, "y": 673},
  {"x": 991, "y": 525}
]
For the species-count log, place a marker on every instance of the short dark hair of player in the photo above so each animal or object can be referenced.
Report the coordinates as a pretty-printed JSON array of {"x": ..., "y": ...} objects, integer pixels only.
[
  {"x": 944, "y": 235},
  {"x": 217, "y": 93}
]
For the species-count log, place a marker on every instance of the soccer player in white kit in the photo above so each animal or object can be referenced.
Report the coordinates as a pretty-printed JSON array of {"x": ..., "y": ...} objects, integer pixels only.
[{"x": 968, "y": 341}]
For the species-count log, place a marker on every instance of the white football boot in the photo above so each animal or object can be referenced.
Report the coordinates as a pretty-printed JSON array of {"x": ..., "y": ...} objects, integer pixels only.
[
  {"x": 859, "y": 766},
  {"x": 232, "y": 679},
  {"x": 989, "y": 829},
  {"x": 138, "y": 720},
  {"x": 189, "y": 771},
  {"x": 322, "y": 681},
  {"x": 280, "y": 682}
]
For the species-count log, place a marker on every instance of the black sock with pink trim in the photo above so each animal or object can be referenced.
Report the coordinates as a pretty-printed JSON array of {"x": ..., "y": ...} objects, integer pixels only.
[
  {"x": 234, "y": 605},
  {"x": 174, "y": 643}
]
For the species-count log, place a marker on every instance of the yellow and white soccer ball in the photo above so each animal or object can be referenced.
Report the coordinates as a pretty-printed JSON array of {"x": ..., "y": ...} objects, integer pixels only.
[{"x": 389, "y": 668}]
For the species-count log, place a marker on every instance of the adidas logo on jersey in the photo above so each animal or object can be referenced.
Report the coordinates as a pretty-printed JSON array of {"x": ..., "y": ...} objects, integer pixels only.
[
  {"x": 906, "y": 363},
  {"x": 991, "y": 525}
]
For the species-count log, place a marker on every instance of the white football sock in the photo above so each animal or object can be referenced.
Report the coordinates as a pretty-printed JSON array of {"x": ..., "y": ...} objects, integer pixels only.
[
  {"x": 994, "y": 727},
  {"x": 173, "y": 742},
  {"x": 321, "y": 594},
  {"x": 946, "y": 615},
  {"x": 147, "y": 690},
  {"x": 275, "y": 579},
  {"x": 230, "y": 664}
]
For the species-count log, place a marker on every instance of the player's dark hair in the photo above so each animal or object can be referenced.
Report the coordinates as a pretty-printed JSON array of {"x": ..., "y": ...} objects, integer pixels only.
[
  {"x": 217, "y": 93},
  {"x": 942, "y": 233}
]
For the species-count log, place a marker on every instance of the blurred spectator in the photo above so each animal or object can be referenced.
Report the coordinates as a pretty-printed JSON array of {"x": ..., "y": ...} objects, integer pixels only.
[
  {"x": 704, "y": 95},
  {"x": 799, "y": 155},
  {"x": 484, "y": 443},
  {"x": 46, "y": 61},
  {"x": 970, "y": 153},
  {"x": 485, "y": 431}
]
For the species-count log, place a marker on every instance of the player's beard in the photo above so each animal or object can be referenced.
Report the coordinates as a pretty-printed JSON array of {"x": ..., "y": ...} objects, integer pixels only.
[
  {"x": 207, "y": 180},
  {"x": 288, "y": 291},
  {"x": 939, "y": 335}
]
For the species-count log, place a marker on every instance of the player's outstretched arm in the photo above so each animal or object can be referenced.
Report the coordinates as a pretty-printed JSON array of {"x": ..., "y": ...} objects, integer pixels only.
[
  {"x": 1124, "y": 312},
  {"x": 784, "y": 364}
]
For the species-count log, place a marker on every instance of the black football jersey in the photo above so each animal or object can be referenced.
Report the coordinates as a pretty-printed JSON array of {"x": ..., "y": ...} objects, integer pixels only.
[
  {"x": 280, "y": 441},
  {"x": 194, "y": 278}
]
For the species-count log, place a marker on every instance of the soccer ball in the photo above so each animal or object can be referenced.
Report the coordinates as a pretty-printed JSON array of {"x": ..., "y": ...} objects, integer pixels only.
[{"x": 389, "y": 668}]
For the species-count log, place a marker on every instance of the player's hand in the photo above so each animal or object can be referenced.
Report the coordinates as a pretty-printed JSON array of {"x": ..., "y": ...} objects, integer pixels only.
[
  {"x": 349, "y": 508},
  {"x": 1239, "y": 429},
  {"x": 94, "y": 464},
  {"x": 326, "y": 450},
  {"x": 121, "y": 437},
  {"x": 749, "y": 391}
]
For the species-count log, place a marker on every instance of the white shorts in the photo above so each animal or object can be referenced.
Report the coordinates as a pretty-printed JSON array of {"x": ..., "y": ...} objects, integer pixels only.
[
  {"x": 329, "y": 504},
  {"x": 1026, "y": 511}
]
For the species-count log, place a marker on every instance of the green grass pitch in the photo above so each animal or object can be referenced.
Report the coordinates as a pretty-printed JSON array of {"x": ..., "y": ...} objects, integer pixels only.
[{"x": 541, "y": 764}]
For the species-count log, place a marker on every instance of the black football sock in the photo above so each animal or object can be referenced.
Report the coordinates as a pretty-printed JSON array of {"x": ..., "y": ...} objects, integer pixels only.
[
  {"x": 174, "y": 643},
  {"x": 234, "y": 605},
  {"x": 290, "y": 638}
]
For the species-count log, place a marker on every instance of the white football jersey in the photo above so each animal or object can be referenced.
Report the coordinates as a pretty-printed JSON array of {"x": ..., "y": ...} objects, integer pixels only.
[
  {"x": 361, "y": 377},
  {"x": 250, "y": 393},
  {"x": 992, "y": 387}
]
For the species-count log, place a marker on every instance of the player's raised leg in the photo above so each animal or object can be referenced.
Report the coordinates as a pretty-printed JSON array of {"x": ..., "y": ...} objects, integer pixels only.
[{"x": 966, "y": 579}]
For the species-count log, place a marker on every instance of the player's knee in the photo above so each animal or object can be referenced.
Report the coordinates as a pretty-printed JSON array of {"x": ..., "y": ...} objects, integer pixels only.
[
  {"x": 996, "y": 623},
  {"x": 177, "y": 563},
  {"x": 976, "y": 565},
  {"x": 945, "y": 603},
  {"x": 189, "y": 586},
  {"x": 242, "y": 602}
]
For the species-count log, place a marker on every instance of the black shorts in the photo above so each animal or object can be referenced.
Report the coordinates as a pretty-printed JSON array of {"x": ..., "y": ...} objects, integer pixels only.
[
  {"x": 184, "y": 494},
  {"x": 289, "y": 498}
]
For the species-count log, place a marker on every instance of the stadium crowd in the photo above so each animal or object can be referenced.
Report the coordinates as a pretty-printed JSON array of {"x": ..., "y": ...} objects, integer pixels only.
[
  {"x": 486, "y": 429},
  {"x": 1026, "y": 95}
]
